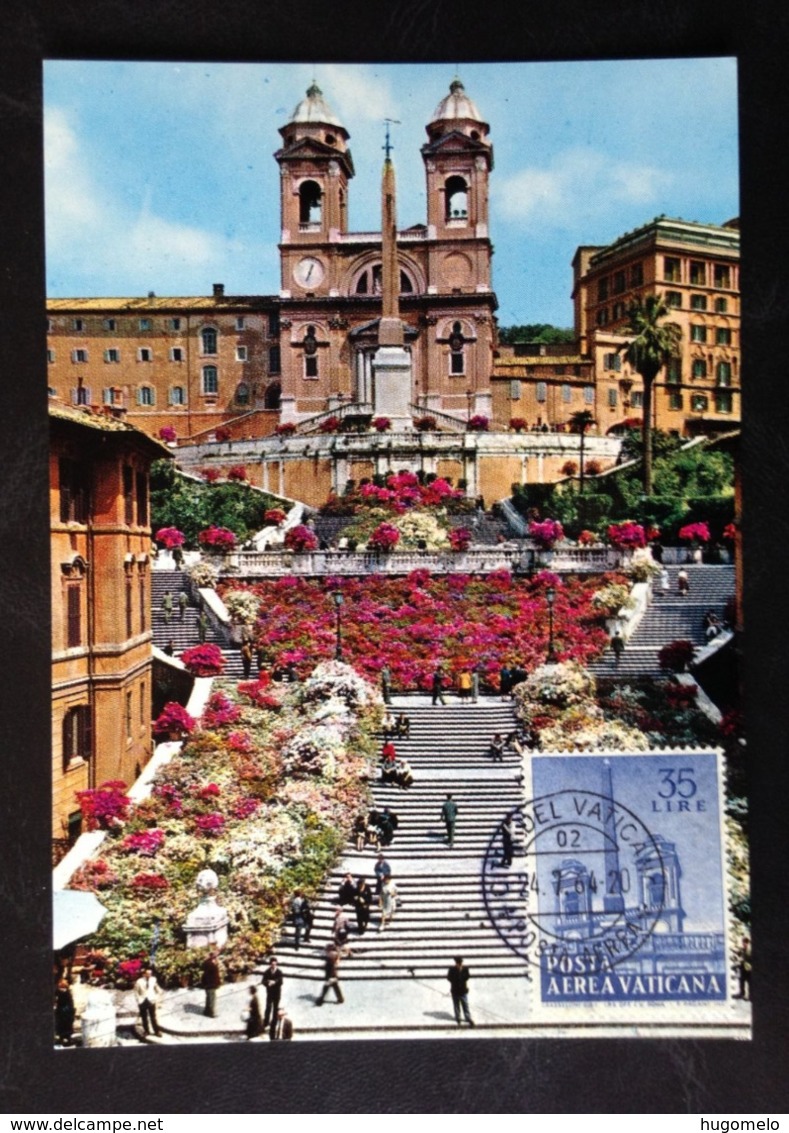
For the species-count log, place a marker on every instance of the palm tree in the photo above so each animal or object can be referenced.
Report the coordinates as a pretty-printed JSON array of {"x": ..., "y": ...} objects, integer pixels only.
[
  {"x": 579, "y": 423},
  {"x": 653, "y": 344}
]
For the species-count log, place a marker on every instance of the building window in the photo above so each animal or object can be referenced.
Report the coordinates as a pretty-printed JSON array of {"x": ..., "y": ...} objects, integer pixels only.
[
  {"x": 602, "y": 316},
  {"x": 240, "y": 323},
  {"x": 242, "y": 394},
  {"x": 112, "y": 355},
  {"x": 146, "y": 395},
  {"x": 673, "y": 298},
  {"x": 602, "y": 289},
  {"x": 73, "y": 615},
  {"x": 612, "y": 398},
  {"x": 143, "y": 602},
  {"x": 723, "y": 401},
  {"x": 671, "y": 269},
  {"x": 542, "y": 391},
  {"x": 80, "y": 395},
  {"x": 618, "y": 282},
  {"x": 241, "y": 354},
  {"x": 612, "y": 362},
  {"x": 456, "y": 191},
  {"x": 723, "y": 373},
  {"x": 50, "y": 326},
  {"x": 636, "y": 275},
  {"x": 51, "y": 391},
  {"x": 78, "y": 325},
  {"x": 699, "y": 403},
  {"x": 141, "y": 481},
  {"x": 567, "y": 392},
  {"x": 79, "y": 356},
  {"x": 637, "y": 399},
  {"x": 175, "y": 324},
  {"x": 273, "y": 324},
  {"x": 698, "y": 272},
  {"x": 722, "y": 276},
  {"x": 176, "y": 354},
  {"x": 145, "y": 324},
  {"x": 178, "y": 395},
  {"x": 515, "y": 389},
  {"x": 675, "y": 400},
  {"x": 457, "y": 363},
  {"x": 589, "y": 395},
  {"x": 50, "y": 356},
  {"x": 311, "y": 366},
  {"x": 109, "y": 324},
  {"x": 721, "y": 306},
  {"x": 274, "y": 363},
  {"x": 208, "y": 338},
  {"x": 128, "y": 596},
  {"x": 699, "y": 369},
  {"x": 142, "y": 704},
  {"x": 674, "y": 371},
  {"x": 145, "y": 354},
  {"x": 128, "y": 715},
  {"x": 77, "y": 736},
  {"x": 698, "y": 333},
  {"x": 273, "y": 396},
  {"x": 128, "y": 495},
  {"x": 698, "y": 302},
  {"x": 723, "y": 336},
  {"x": 74, "y": 491},
  {"x": 210, "y": 380}
]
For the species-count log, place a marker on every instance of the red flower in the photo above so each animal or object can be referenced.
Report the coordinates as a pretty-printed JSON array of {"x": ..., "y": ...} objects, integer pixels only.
[
  {"x": 627, "y": 534},
  {"x": 167, "y": 433},
  {"x": 286, "y": 429},
  {"x": 330, "y": 425},
  {"x": 237, "y": 472},
  {"x": 382, "y": 424},
  {"x": 460, "y": 538},
  {"x": 479, "y": 423},
  {"x": 546, "y": 533},
  {"x": 204, "y": 660},
  {"x": 518, "y": 424},
  {"x": 301, "y": 539},
  {"x": 170, "y": 537},
  {"x": 274, "y": 515},
  {"x": 220, "y": 537},
  {"x": 105, "y": 806},
  {"x": 173, "y": 718},
  {"x": 222, "y": 434},
  {"x": 210, "y": 474},
  {"x": 384, "y": 538},
  {"x": 695, "y": 533}
]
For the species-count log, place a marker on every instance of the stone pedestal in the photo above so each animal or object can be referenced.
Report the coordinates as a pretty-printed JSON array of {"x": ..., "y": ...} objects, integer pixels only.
[
  {"x": 392, "y": 398},
  {"x": 98, "y": 1019},
  {"x": 207, "y": 924}
]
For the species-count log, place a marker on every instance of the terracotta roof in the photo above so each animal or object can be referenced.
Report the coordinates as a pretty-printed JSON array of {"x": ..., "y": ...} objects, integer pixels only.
[
  {"x": 161, "y": 303},
  {"x": 104, "y": 423}
]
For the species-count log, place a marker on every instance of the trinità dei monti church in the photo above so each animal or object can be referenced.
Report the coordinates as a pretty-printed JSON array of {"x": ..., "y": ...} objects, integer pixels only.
[{"x": 380, "y": 350}]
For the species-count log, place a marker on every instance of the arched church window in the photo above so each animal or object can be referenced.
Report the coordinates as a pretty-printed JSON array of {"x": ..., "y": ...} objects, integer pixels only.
[
  {"x": 208, "y": 339},
  {"x": 309, "y": 202},
  {"x": 273, "y": 396},
  {"x": 370, "y": 281},
  {"x": 457, "y": 362},
  {"x": 657, "y": 890},
  {"x": 310, "y": 353},
  {"x": 456, "y": 191},
  {"x": 572, "y": 903}
]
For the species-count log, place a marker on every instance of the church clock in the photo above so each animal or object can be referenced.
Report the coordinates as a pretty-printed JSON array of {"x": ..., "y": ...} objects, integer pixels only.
[{"x": 309, "y": 272}]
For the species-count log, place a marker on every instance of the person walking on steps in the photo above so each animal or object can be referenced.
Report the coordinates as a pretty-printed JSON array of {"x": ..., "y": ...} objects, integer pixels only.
[
  {"x": 183, "y": 602},
  {"x": 301, "y": 916},
  {"x": 246, "y": 659},
  {"x": 458, "y": 976},
  {"x": 167, "y": 606},
  {"x": 449, "y": 813},
  {"x": 331, "y": 976},
  {"x": 507, "y": 842},
  {"x": 617, "y": 647},
  {"x": 363, "y": 898},
  {"x": 202, "y": 627},
  {"x": 386, "y": 684},
  {"x": 252, "y": 1015},
  {"x": 438, "y": 685},
  {"x": 283, "y": 1028},
  {"x": 683, "y": 582}
]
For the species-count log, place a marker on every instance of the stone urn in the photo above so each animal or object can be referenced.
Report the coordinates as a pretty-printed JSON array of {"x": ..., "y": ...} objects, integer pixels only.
[{"x": 207, "y": 923}]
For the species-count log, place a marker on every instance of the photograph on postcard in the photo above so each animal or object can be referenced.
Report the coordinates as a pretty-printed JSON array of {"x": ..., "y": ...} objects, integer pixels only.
[{"x": 396, "y": 571}]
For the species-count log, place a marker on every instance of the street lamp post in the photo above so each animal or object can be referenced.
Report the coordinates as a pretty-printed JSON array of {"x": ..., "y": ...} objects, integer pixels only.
[
  {"x": 550, "y": 598},
  {"x": 338, "y": 600}
]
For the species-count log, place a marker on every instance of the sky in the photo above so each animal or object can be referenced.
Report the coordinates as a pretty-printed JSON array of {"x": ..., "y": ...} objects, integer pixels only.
[{"x": 160, "y": 176}]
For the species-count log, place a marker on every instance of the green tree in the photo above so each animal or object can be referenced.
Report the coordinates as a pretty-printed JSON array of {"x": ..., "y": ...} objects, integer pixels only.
[
  {"x": 535, "y": 332},
  {"x": 652, "y": 345},
  {"x": 579, "y": 423}
]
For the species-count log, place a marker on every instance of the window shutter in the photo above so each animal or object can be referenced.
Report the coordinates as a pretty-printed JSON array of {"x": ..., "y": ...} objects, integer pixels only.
[
  {"x": 515, "y": 390},
  {"x": 74, "y": 397}
]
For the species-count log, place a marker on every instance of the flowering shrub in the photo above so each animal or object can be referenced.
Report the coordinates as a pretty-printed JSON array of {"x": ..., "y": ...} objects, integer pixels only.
[
  {"x": 597, "y": 735},
  {"x": 209, "y": 791},
  {"x": 627, "y": 535},
  {"x": 220, "y": 710},
  {"x": 274, "y": 515},
  {"x": 518, "y": 424},
  {"x": 426, "y": 424},
  {"x": 211, "y": 825},
  {"x": 202, "y": 575},
  {"x": 146, "y": 843},
  {"x": 730, "y": 532},
  {"x": 240, "y": 742},
  {"x": 479, "y": 423},
  {"x": 676, "y": 656},
  {"x": 330, "y": 424},
  {"x": 695, "y": 533},
  {"x": 587, "y": 538},
  {"x": 593, "y": 467},
  {"x": 150, "y": 881},
  {"x": 562, "y": 686},
  {"x": 129, "y": 971},
  {"x": 680, "y": 696},
  {"x": 105, "y": 807},
  {"x": 569, "y": 468},
  {"x": 222, "y": 434},
  {"x": 204, "y": 660},
  {"x": 217, "y": 538},
  {"x": 237, "y": 472},
  {"x": 173, "y": 718},
  {"x": 210, "y": 475},
  {"x": 167, "y": 433},
  {"x": 258, "y": 692},
  {"x": 546, "y": 533},
  {"x": 334, "y": 680},
  {"x": 612, "y": 598},
  {"x": 170, "y": 537},
  {"x": 460, "y": 538},
  {"x": 382, "y": 424},
  {"x": 384, "y": 538},
  {"x": 301, "y": 539},
  {"x": 94, "y": 874},
  {"x": 286, "y": 429},
  {"x": 242, "y": 605}
]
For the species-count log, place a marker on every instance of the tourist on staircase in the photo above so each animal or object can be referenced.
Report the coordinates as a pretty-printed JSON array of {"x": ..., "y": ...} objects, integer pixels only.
[
  {"x": 183, "y": 602},
  {"x": 449, "y": 814},
  {"x": 387, "y": 901},
  {"x": 347, "y": 892},
  {"x": 363, "y": 899}
]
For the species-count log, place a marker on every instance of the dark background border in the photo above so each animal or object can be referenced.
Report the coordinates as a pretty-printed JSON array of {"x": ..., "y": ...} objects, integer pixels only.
[{"x": 486, "y": 1076}]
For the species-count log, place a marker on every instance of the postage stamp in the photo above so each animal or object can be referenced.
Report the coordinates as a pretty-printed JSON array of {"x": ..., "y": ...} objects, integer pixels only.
[{"x": 618, "y": 897}]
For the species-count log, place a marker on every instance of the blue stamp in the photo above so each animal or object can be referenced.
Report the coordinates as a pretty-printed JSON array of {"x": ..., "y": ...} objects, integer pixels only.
[{"x": 618, "y": 894}]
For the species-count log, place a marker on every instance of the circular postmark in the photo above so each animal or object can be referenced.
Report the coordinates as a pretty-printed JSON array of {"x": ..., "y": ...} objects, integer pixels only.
[{"x": 587, "y": 889}]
